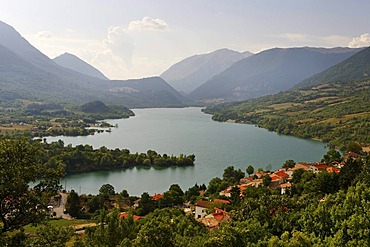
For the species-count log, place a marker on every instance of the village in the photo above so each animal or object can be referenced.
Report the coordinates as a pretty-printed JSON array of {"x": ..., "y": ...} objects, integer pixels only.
[{"x": 211, "y": 210}]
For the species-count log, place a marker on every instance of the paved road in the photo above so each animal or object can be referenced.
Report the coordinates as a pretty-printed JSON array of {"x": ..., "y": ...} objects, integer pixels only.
[{"x": 59, "y": 209}]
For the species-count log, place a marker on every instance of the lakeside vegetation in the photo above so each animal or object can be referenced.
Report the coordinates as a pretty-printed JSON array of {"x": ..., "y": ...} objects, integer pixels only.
[
  {"x": 39, "y": 119},
  {"x": 83, "y": 158},
  {"x": 333, "y": 113}
]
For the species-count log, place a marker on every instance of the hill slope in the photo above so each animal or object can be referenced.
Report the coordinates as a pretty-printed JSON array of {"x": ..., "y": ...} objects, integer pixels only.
[
  {"x": 72, "y": 62},
  {"x": 269, "y": 72},
  {"x": 28, "y": 74},
  {"x": 356, "y": 68},
  {"x": 193, "y": 71},
  {"x": 337, "y": 112}
]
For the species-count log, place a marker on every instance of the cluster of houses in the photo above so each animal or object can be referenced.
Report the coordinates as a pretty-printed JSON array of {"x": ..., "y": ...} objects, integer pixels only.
[{"x": 281, "y": 178}]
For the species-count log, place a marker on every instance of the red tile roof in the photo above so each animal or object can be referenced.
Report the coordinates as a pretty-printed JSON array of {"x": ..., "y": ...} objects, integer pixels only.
[
  {"x": 156, "y": 197},
  {"x": 332, "y": 169},
  {"x": 202, "y": 203},
  {"x": 125, "y": 215},
  {"x": 221, "y": 201},
  {"x": 281, "y": 174}
]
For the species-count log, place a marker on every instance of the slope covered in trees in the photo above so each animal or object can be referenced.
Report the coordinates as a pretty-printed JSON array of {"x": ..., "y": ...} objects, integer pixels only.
[{"x": 334, "y": 111}]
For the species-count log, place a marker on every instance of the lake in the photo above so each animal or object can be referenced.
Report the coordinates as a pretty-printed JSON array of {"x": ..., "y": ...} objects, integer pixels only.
[{"x": 174, "y": 131}]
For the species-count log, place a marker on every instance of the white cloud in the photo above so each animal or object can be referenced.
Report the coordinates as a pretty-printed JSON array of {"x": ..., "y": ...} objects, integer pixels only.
[
  {"x": 148, "y": 23},
  {"x": 120, "y": 44},
  {"x": 44, "y": 35},
  {"x": 362, "y": 41}
]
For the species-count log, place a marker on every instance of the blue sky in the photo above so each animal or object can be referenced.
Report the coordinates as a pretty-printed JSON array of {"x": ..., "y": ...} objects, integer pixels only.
[{"x": 140, "y": 38}]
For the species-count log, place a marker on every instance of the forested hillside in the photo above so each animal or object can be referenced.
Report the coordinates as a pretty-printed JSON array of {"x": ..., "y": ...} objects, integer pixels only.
[{"x": 331, "y": 110}]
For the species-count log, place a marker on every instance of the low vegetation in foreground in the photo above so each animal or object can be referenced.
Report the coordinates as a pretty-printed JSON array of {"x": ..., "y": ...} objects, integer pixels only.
[{"x": 320, "y": 204}]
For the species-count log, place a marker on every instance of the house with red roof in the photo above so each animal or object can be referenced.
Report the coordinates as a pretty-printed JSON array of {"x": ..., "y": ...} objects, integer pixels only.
[
  {"x": 201, "y": 208},
  {"x": 213, "y": 220},
  {"x": 125, "y": 215},
  {"x": 156, "y": 197},
  {"x": 332, "y": 169}
]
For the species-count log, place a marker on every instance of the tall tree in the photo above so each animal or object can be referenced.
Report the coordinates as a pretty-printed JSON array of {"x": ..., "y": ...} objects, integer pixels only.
[
  {"x": 250, "y": 170},
  {"x": 20, "y": 166}
]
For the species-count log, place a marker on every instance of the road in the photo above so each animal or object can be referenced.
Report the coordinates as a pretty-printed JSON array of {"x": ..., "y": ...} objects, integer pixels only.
[{"x": 59, "y": 209}]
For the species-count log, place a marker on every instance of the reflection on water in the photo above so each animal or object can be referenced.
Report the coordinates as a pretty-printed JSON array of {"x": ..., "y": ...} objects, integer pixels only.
[{"x": 187, "y": 130}]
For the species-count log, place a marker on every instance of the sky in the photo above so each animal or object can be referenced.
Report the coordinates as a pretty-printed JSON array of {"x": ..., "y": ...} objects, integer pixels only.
[{"x": 140, "y": 38}]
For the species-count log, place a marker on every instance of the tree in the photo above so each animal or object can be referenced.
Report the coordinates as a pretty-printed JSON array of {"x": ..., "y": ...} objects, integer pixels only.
[
  {"x": 232, "y": 176},
  {"x": 21, "y": 164},
  {"x": 146, "y": 204},
  {"x": 354, "y": 147},
  {"x": 289, "y": 164},
  {"x": 51, "y": 236},
  {"x": 107, "y": 190},
  {"x": 235, "y": 194},
  {"x": 250, "y": 170},
  {"x": 73, "y": 205},
  {"x": 266, "y": 180},
  {"x": 331, "y": 156}
]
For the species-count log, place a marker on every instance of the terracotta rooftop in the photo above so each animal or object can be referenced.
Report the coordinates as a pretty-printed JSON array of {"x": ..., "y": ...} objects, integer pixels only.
[
  {"x": 221, "y": 201},
  {"x": 156, "y": 197},
  {"x": 125, "y": 215},
  {"x": 202, "y": 203},
  {"x": 281, "y": 174}
]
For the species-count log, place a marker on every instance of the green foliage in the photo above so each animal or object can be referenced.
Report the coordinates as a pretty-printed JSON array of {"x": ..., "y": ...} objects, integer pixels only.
[
  {"x": 354, "y": 147},
  {"x": 250, "y": 170},
  {"x": 289, "y": 164},
  {"x": 51, "y": 236},
  {"x": 338, "y": 113},
  {"x": 332, "y": 156},
  {"x": 73, "y": 205},
  {"x": 84, "y": 158},
  {"x": 146, "y": 205},
  {"x": 107, "y": 190},
  {"x": 232, "y": 176},
  {"x": 20, "y": 165}
]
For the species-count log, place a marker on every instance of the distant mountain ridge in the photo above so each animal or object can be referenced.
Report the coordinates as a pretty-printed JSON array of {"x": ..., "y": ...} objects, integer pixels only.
[
  {"x": 193, "y": 71},
  {"x": 269, "y": 72},
  {"x": 27, "y": 73},
  {"x": 355, "y": 68},
  {"x": 73, "y": 62},
  {"x": 332, "y": 106}
]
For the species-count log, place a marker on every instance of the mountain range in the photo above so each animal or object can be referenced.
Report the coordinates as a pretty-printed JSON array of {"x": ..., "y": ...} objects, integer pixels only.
[
  {"x": 332, "y": 106},
  {"x": 269, "y": 72},
  {"x": 27, "y": 73},
  {"x": 192, "y": 72},
  {"x": 222, "y": 75}
]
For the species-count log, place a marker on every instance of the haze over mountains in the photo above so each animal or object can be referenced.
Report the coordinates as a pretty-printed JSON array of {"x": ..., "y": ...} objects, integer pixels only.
[
  {"x": 73, "y": 62},
  {"x": 222, "y": 75},
  {"x": 269, "y": 72},
  {"x": 354, "y": 69},
  {"x": 27, "y": 73},
  {"x": 192, "y": 72}
]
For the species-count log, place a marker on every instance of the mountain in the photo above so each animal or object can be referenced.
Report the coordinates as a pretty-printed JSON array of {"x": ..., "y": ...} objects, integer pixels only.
[
  {"x": 26, "y": 73},
  {"x": 355, "y": 68},
  {"x": 73, "y": 62},
  {"x": 190, "y": 73},
  {"x": 332, "y": 106},
  {"x": 153, "y": 91},
  {"x": 269, "y": 72}
]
